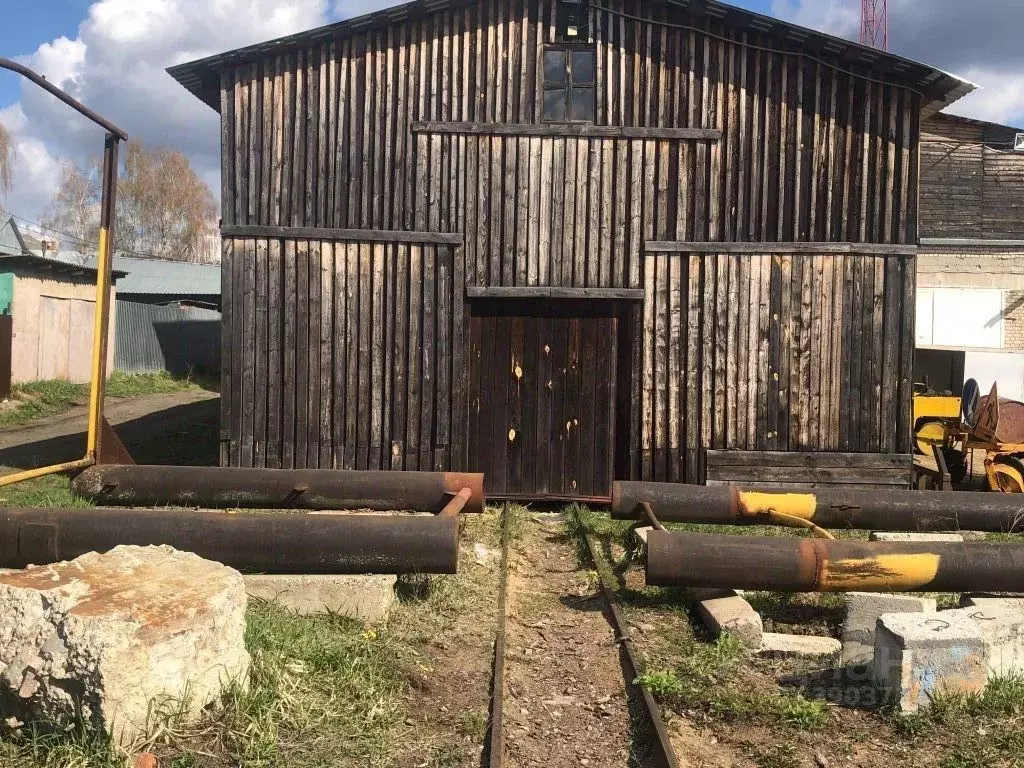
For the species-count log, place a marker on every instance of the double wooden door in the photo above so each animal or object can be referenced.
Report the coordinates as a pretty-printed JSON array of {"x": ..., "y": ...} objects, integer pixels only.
[{"x": 542, "y": 404}]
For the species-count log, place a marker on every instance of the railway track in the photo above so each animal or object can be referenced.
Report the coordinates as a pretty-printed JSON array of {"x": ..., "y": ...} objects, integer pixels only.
[{"x": 563, "y": 690}]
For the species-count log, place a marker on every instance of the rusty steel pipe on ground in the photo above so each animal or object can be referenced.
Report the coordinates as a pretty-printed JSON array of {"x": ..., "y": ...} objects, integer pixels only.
[
  {"x": 230, "y": 487},
  {"x": 264, "y": 543},
  {"x": 788, "y": 564},
  {"x": 825, "y": 508}
]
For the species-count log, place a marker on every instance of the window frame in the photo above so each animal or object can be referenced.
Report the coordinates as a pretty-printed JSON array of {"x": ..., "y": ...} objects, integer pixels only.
[{"x": 570, "y": 86}]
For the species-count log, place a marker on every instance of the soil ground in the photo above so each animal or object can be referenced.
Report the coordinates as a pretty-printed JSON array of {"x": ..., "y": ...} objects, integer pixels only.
[
  {"x": 566, "y": 702},
  {"x": 173, "y": 427}
]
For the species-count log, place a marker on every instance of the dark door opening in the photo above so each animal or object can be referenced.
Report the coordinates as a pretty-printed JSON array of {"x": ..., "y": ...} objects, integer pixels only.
[{"x": 542, "y": 401}]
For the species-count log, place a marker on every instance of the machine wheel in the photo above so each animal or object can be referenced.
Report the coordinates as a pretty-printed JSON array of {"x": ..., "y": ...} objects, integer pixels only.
[
  {"x": 928, "y": 433},
  {"x": 1009, "y": 471}
]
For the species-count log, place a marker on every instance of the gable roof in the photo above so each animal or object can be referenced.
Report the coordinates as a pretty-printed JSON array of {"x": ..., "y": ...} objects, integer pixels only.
[
  {"x": 939, "y": 88},
  {"x": 15, "y": 250}
]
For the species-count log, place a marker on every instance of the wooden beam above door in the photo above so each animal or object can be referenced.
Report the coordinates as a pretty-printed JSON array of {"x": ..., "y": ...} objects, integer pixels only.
[{"x": 546, "y": 292}]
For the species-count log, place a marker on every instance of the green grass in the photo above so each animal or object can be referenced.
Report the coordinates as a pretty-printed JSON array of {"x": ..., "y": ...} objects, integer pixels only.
[
  {"x": 48, "y": 491},
  {"x": 323, "y": 691},
  {"x": 40, "y": 399}
]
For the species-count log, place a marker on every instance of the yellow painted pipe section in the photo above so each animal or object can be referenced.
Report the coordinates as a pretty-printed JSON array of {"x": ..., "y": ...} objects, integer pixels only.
[
  {"x": 899, "y": 573},
  {"x": 98, "y": 346},
  {"x": 31, "y": 474},
  {"x": 799, "y": 505}
]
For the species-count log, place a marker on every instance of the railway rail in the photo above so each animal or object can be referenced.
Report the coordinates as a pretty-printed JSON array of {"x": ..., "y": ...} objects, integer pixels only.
[{"x": 659, "y": 752}]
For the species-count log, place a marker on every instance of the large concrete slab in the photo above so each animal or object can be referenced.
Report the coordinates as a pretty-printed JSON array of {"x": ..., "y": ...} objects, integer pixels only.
[
  {"x": 367, "y": 598},
  {"x": 863, "y": 610},
  {"x": 919, "y": 656}
]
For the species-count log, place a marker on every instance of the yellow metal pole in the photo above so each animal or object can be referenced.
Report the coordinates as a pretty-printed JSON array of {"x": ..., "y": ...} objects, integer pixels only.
[
  {"x": 101, "y": 325},
  {"x": 103, "y": 280},
  {"x": 97, "y": 389}
]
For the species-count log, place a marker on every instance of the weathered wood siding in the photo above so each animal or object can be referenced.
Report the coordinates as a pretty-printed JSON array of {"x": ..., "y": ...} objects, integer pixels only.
[
  {"x": 972, "y": 183},
  {"x": 800, "y": 352},
  {"x": 721, "y": 140},
  {"x": 346, "y": 355}
]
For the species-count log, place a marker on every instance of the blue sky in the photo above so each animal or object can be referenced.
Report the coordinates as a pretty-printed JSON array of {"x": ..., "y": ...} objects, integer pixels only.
[
  {"x": 111, "y": 54},
  {"x": 29, "y": 23}
]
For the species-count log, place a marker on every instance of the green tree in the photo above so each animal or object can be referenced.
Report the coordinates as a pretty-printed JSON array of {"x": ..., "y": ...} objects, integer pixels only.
[
  {"x": 6, "y": 161},
  {"x": 163, "y": 207}
]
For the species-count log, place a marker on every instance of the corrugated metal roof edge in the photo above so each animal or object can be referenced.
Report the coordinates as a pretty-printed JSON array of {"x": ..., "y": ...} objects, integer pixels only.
[{"x": 940, "y": 88}]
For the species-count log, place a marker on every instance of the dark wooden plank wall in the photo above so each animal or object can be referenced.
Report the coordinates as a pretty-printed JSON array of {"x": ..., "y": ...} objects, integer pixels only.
[
  {"x": 320, "y": 136},
  {"x": 343, "y": 355},
  {"x": 782, "y": 352},
  {"x": 806, "y": 471},
  {"x": 972, "y": 183}
]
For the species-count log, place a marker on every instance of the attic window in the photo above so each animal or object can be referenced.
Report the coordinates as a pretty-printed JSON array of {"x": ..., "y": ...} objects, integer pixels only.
[{"x": 570, "y": 74}]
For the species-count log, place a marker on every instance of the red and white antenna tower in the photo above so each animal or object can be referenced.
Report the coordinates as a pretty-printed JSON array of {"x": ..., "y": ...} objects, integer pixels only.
[{"x": 874, "y": 23}]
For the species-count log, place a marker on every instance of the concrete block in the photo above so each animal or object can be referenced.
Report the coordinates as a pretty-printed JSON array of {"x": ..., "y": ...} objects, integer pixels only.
[
  {"x": 108, "y": 639},
  {"x": 367, "y": 598},
  {"x": 991, "y": 601},
  {"x": 641, "y": 535},
  {"x": 722, "y": 610},
  {"x": 1002, "y": 627},
  {"x": 903, "y": 536},
  {"x": 862, "y": 612},
  {"x": 918, "y": 656},
  {"x": 774, "y": 644}
]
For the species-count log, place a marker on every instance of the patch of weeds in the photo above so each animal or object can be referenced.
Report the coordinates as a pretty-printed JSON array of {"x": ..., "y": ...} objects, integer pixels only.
[
  {"x": 121, "y": 384},
  {"x": 440, "y": 592},
  {"x": 48, "y": 491},
  {"x": 661, "y": 684},
  {"x": 514, "y": 517},
  {"x": 706, "y": 678},
  {"x": 321, "y": 691},
  {"x": 774, "y": 756},
  {"x": 472, "y": 723},
  {"x": 981, "y": 729},
  {"x": 446, "y": 756},
  {"x": 798, "y": 614},
  {"x": 38, "y": 399}
]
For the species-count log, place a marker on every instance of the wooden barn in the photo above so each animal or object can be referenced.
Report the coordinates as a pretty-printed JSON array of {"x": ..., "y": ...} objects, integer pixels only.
[{"x": 565, "y": 242}]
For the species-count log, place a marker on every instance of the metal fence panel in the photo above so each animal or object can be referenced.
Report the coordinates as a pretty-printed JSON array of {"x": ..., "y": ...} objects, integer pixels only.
[{"x": 175, "y": 337}]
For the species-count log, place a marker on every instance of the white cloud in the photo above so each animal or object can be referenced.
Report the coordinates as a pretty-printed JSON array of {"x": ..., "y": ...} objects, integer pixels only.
[
  {"x": 116, "y": 65},
  {"x": 978, "y": 40},
  {"x": 36, "y": 171},
  {"x": 837, "y": 17},
  {"x": 1000, "y": 99}
]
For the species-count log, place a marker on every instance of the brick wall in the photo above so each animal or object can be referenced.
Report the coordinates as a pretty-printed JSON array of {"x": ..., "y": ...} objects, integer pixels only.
[{"x": 1013, "y": 320}]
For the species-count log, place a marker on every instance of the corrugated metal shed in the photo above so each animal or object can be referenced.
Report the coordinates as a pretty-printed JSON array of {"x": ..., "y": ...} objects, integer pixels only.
[
  {"x": 176, "y": 338},
  {"x": 168, "y": 278}
]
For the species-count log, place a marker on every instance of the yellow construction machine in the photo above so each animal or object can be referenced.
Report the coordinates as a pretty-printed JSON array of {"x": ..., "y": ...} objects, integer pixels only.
[{"x": 959, "y": 426}]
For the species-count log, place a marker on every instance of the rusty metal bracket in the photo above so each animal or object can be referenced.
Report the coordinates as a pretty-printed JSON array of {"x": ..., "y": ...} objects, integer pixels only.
[{"x": 110, "y": 449}]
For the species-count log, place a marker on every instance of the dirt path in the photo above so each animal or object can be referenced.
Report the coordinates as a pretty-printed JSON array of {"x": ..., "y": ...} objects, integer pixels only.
[
  {"x": 565, "y": 701},
  {"x": 137, "y": 420}
]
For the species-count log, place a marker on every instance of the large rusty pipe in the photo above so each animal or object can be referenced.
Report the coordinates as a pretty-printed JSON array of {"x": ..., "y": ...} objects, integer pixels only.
[
  {"x": 789, "y": 564},
  {"x": 825, "y": 508},
  {"x": 229, "y": 487},
  {"x": 266, "y": 543}
]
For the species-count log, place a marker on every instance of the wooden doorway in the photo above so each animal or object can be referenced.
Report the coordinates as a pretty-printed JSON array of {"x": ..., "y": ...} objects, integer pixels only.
[{"x": 542, "y": 400}]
